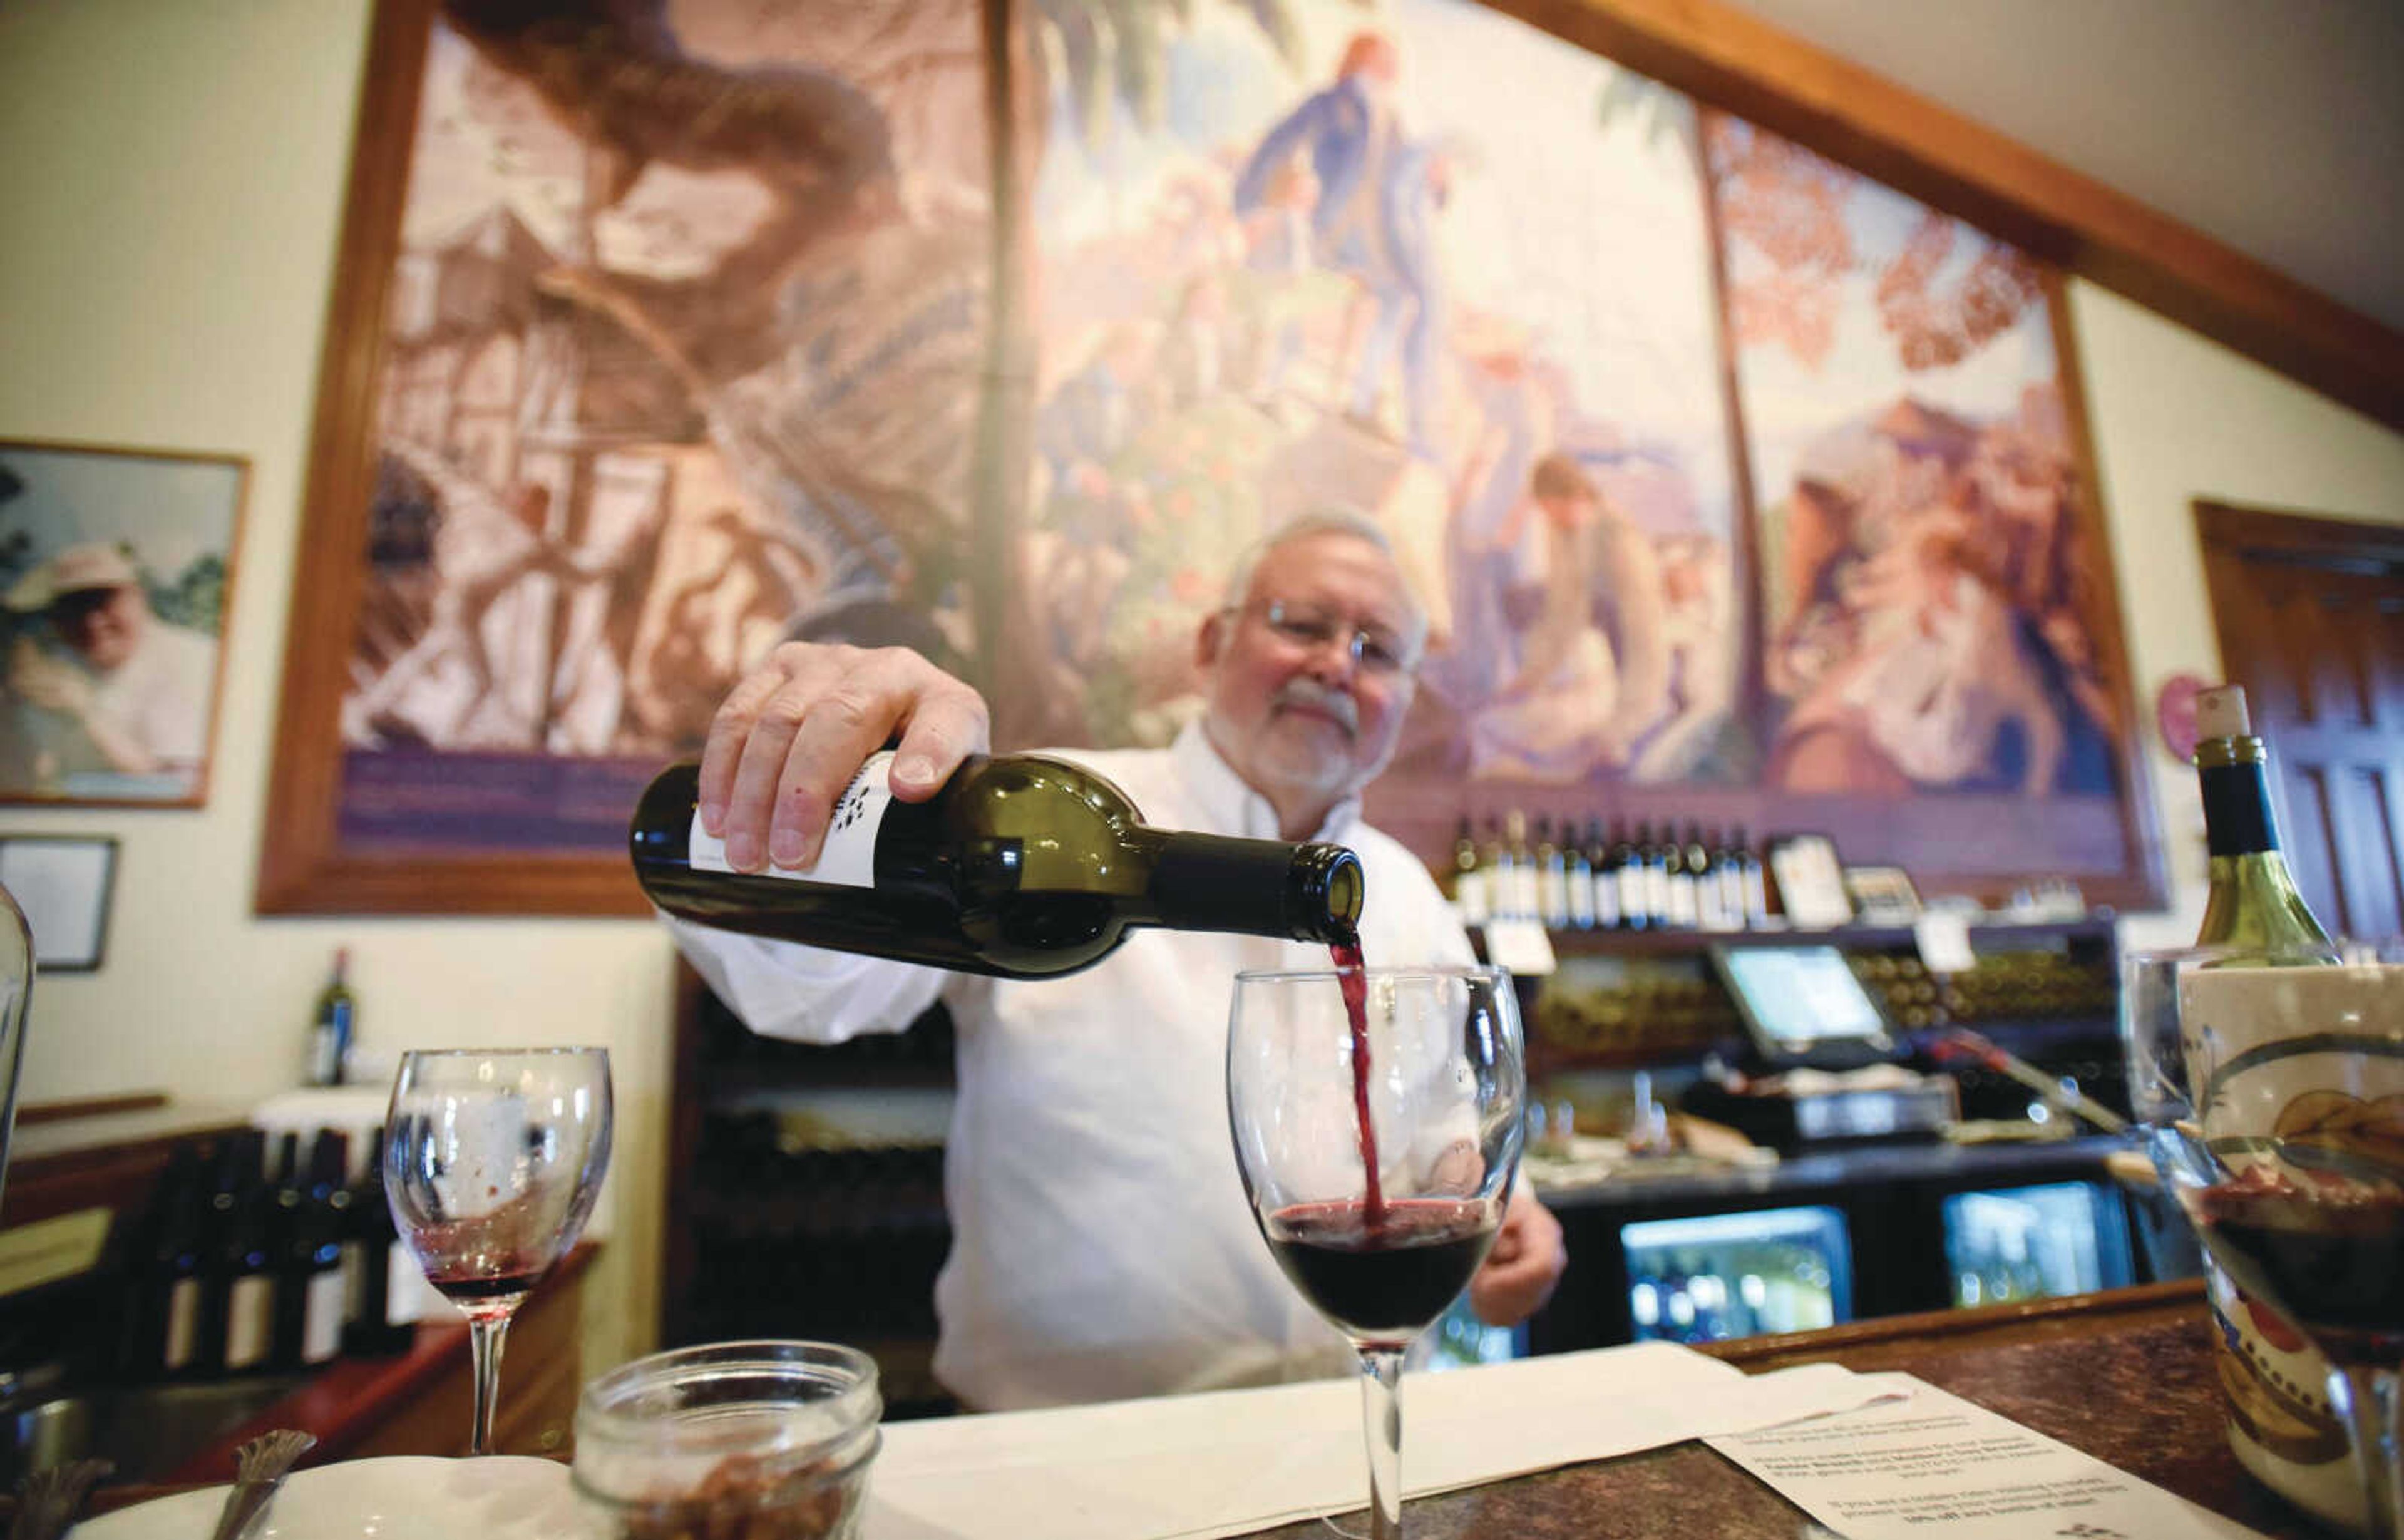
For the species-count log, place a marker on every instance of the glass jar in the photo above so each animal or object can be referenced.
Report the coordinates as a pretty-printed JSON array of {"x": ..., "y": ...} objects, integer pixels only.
[
  {"x": 16, "y": 993},
  {"x": 746, "y": 1440}
]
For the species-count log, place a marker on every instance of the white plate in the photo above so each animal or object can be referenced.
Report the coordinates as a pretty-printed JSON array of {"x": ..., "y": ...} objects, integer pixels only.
[{"x": 413, "y": 1497}]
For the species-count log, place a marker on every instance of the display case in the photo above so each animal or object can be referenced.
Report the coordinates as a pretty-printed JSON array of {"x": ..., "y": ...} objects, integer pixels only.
[{"x": 2046, "y": 992}]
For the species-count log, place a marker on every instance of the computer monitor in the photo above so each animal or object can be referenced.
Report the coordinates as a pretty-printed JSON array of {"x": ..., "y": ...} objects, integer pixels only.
[{"x": 1802, "y": 1005}]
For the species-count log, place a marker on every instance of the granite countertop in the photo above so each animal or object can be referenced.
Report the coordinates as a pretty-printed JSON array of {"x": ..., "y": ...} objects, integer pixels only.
[{"x": 2125, "y": 1377}]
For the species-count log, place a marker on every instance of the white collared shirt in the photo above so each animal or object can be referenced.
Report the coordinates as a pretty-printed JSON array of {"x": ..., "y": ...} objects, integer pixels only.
[{"x": 1102, "y": 1244}]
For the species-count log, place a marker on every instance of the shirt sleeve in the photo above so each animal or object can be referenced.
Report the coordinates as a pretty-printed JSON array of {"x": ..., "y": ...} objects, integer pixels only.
[{"x": 783, "y": 990}]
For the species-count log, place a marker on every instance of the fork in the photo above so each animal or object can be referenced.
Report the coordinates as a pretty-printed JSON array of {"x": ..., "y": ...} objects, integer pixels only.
[
  {"x": 50, "y": 1498},
  {"x": 260, "y": 1466}
]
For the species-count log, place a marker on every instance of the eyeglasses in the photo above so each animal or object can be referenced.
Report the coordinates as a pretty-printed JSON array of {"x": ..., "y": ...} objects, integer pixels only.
[{"x": 1375, "y": 650}]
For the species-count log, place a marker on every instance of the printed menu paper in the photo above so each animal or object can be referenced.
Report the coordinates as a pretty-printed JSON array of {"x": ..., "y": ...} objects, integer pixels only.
[{"x": 1930, "y": 1466}]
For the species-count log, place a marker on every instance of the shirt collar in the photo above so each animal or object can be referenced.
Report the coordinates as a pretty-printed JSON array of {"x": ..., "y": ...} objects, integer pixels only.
[{"x": 1229, "y": 802}]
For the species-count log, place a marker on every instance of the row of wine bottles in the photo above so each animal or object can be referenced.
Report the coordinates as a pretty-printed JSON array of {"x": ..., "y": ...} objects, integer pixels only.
[
  {"x": 240, "y": 1268},
  {"x": 1591, "y": 880}
]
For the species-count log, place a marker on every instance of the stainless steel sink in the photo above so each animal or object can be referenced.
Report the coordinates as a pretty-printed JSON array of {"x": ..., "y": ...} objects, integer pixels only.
[{"x": 147, "y": 1430}]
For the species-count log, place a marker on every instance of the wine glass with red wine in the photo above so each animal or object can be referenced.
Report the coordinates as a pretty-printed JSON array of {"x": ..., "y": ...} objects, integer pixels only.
[
  {"x": 2272, "y": 1102},
  {"x": 492, "y": 1160},
  {"x": 1376, "y": 1120}
]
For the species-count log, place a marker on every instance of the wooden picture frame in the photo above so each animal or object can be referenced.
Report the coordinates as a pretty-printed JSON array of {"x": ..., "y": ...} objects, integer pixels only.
[
  {"x": 506, "y": 855},
  {"x": 116, "y": 579}
]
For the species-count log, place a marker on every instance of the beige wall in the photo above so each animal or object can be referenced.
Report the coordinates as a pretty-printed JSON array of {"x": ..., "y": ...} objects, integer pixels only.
[{"x": 172, "y": 172}]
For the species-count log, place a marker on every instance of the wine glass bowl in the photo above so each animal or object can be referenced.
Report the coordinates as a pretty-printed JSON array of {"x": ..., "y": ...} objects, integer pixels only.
[
  {"x": 2271, "y": 1100},
  {"x": 492, "y": 1161},
  {"x": 1375, "y": 1115}
]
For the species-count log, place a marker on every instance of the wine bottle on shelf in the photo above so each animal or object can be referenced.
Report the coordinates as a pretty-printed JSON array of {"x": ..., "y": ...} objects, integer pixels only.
[
  {"x": 309, "y": 1283},
  {"x": 371, "y": 1254},
  {"x": 1469, "y": 876},
  {"x": 1635, "y": 886},
  {"x": 1657, "y": 876},
  {"x": 1756, "y": 881},
  {"x": 162, "y": 1269},
  {"x": 1728, "y": 875},
  {"x": 1606, "y": 878},
  {"x": 2253, "y": 906},
  {"x": 1552, "y": 877},
  {"x": 1685, "y": 879},
  {"x": 1525, "y": 899},
  {"x": 1021, "y": 866},
  {"x": 1703, "y": 858},
  {"x": 334, "y": 1024},
  {"x": 237, "y": 1292},
  {"x": 1581, "y": 877}
]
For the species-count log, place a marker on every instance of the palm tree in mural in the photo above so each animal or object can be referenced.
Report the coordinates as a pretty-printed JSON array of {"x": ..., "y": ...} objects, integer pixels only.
[{"x": 1113, "y": 57}]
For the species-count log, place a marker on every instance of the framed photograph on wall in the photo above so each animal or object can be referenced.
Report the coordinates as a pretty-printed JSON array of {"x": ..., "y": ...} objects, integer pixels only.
[
  {"x": 116, "y": 579},
  {"x": 64, "y": 885}
]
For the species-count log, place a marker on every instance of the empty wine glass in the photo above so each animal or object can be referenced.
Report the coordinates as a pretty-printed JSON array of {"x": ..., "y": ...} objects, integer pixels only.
[
  {"x": 493, "y": 1158},
  {"x": 2271, "y": 1100},
  {"x": 1376, "y": 1121}
]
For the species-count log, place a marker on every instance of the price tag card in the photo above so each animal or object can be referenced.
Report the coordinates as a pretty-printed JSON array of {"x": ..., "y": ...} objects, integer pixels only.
[
  {"x": 1521, "y": 945},
  {"x": 1944, "y": 942}
]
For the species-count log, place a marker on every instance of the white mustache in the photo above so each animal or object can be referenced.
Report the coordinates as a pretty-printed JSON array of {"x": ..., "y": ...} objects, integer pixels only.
[{"x": 1308, "y": 693}]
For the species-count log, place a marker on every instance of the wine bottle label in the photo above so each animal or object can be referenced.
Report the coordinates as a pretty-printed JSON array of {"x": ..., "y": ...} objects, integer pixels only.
[
  {"x": 2237, "y": 819},
  {"x": 354, "y": 1281},
  {"x": 183, "y": 1323},
  {"x": 405, "y": 1289},
  {"x": 321, "y": 1329},
  {"x": 848, "y": 857},
  {"x": 1469, "y": 896},
  {"x": 250, "y": 1320}
]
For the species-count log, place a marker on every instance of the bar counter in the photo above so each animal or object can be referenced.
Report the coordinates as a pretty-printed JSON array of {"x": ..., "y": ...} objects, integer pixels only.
[{"x": 2126, "y": 1376}]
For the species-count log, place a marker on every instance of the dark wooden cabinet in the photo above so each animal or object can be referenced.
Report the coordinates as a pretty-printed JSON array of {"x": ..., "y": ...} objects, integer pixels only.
[{"x": 805, "y": 1190}]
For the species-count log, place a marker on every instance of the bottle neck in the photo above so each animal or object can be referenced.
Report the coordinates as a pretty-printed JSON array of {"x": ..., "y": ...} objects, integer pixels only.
[
  {"x": 1212, "y": 882},
  {"x": 2253, "y": 901},
  {"x": 2237, "y": 816}
]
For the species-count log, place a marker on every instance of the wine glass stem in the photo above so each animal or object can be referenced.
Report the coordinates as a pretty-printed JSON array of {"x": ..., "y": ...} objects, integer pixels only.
[
  {"x": 484, "y": 1334},
  {"x": 2367, "y": 1397},
  {"x": 1381, "y": 1421}
]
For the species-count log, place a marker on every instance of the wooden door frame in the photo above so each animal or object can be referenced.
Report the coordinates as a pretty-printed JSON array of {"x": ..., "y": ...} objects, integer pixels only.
[{"x": 2282, "y": 533}]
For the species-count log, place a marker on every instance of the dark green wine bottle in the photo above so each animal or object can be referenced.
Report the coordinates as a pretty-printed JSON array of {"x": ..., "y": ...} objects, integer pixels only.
[
  {"x": 1023, "y": 866},
  {"x": 2254, "y": 908}
]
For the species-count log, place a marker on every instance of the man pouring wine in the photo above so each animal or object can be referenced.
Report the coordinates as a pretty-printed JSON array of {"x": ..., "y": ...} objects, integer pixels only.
[{"x": 1103, "y": 1246}]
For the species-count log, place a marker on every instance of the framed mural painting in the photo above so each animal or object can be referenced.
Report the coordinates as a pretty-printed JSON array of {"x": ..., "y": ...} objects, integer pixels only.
[
  {"x": 116, "y": 578},
  {"x": 654, "y": 338},
  {"x": 991, "y": 330}
]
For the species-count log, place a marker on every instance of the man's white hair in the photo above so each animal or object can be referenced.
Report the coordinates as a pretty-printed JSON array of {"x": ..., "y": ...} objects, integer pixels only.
[{"x": 1324, "y": 519}]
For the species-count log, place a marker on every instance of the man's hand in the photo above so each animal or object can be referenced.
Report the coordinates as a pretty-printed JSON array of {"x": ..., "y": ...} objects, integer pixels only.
[
  {"x": 793, "y": 733},
  {"x": 1521, "y": 1270}
]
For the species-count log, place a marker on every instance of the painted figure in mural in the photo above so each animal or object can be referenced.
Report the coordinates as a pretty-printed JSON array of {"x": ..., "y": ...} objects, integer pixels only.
[
  {"x": 1592, "y": 671},
  {"x": 440, "y": 690},
  {"x": 123, "y": 692},
  {"x": 1406, "y": 283},
  {"x": 1940, "y": 688},
  {"x": 1375, "y": 198},
  {"x": 1274, "y": 280}
]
